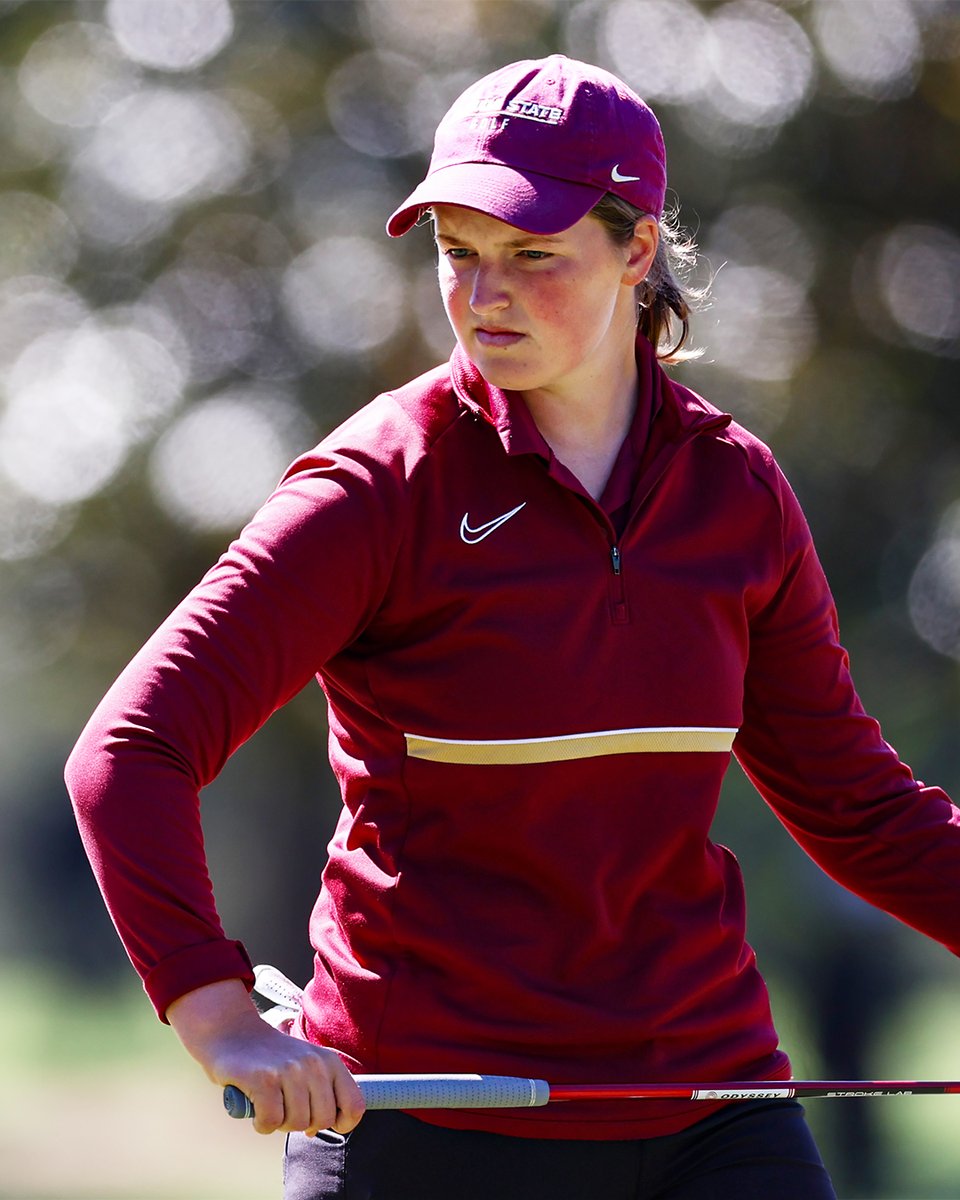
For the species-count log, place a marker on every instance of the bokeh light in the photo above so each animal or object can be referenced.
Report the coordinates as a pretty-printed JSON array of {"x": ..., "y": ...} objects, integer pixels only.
[
  {"x": 32, "y": 305},
  {"x": 150, "y": 343},
  {"x": 77, "y": 402},
  {"x": 36, "y": 236},
  {"x": 177, "y": 35},
  {"x": 763, "y": 232},
  {"x": 243, "y": 237},
  {"x": 917, "y": 270},
  {"x": 332, "y": 189},
  {"x": 27, "y": 140},
  {"x": 873, "y": 47},
  {"x": 439, "y": 32},
  {"x": 762, "y": 63},
  {"x": 61, "y": 440},
  {"x": 267, "y": 135},
  {"x": 760, "y": 324},
  {"x": 429, "y": 100},
  {"x": 344, "y": 296},
  {"x": 74, "y": 73},
  {"x": 635, "y": 37},
  {"x": 738, "y": 71},
  {"x": 216, "y": 464},
  {"x": 107, "y": 218},
  {"x": 166, "y": 146},
  {"x": 29, "y": 527},
  {"x": 367, "y": 102},
  {"x": 222, "y": 306},
  {"x": 934, "y": 595},
  {"x": 763, "y": 325}
]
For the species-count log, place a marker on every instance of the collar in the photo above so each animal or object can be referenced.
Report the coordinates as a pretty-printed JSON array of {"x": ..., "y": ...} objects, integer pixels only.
[
  {"x": 667, "y": 414},
  {"x": 505, "y": 411}
]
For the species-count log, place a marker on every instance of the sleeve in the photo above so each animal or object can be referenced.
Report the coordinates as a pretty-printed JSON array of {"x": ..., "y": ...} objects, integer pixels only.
[
  {"x": 299, "y": 583},
  {"x": 822, "y": 764}
]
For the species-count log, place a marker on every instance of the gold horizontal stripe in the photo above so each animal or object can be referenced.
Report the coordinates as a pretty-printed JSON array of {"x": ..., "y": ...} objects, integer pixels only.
[{"x": 665, "y": 740}]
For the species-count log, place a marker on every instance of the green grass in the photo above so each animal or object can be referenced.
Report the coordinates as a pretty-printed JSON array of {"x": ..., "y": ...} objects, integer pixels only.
[
  {"x": 918, "y": 1138},
  {"x": 100, "y": 1102},
  {"x": 921, "y": 1041}
]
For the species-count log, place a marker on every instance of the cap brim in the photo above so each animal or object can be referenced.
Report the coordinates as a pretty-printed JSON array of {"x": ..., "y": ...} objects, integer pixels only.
[{"x": 531, "y": 202}]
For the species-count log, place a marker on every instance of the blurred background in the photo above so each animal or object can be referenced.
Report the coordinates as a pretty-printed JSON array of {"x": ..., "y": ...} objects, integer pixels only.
[{"x": 195, "y": 285}]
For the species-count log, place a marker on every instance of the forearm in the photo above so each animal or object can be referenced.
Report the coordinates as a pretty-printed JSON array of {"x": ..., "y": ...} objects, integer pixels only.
[
  {"x": 822, "y": 764},
  {"x": 885, "y": 837},
  {"x": 137, "y": 810}
]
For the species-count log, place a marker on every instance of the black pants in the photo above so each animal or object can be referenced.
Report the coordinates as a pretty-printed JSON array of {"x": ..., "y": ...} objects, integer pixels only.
[{"x": 750, "y": 1150}]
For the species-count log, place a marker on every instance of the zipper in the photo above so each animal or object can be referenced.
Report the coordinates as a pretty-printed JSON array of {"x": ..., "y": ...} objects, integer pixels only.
[
  {"x": 619, "y": 609},
  {"x": 619, "y": 605}
]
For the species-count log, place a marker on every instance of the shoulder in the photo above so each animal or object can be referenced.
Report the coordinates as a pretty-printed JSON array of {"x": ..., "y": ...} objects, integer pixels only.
[
  {"x": 749, "y": 466},
  {"x": 411, "y": 417},
  {"x": 391, "y": 435},
  {"x": 755, "y": 455}
]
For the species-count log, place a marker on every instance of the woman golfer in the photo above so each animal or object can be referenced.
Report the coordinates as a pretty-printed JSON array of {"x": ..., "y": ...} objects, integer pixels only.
[{"x": 547, "y": 592}]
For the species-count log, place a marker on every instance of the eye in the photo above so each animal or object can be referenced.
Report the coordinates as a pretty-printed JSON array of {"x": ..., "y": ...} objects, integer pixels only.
[
  {"x": 535, "y": 255},
  {"x": 456, "y": 252}
]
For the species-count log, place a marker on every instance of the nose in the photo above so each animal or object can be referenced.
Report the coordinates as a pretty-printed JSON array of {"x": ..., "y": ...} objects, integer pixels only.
[{"x": 488, "y": 292}]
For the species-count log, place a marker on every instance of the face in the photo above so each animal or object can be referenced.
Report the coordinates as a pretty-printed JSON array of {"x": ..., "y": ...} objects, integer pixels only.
[{"x": 538, "y": 314}]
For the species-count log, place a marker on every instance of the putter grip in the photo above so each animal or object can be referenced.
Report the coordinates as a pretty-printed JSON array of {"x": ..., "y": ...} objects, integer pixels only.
[{"x": 429, "y": 1091}]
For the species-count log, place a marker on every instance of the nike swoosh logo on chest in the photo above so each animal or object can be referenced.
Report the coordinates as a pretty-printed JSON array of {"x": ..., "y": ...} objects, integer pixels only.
[{"x": 472, "y": 535}]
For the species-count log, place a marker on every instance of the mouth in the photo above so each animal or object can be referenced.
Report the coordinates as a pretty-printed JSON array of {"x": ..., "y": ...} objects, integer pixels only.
[{"x": 489, "y": 335}]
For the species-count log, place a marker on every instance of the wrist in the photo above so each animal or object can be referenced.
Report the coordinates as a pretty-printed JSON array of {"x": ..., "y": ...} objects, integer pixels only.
[{"x": 212, "y": 1011}]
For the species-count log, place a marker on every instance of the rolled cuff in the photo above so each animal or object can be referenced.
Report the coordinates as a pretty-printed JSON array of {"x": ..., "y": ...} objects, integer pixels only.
[{"x": 195, "y": 967}]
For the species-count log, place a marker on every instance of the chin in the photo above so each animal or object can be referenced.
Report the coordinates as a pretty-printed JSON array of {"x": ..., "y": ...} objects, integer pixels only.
[
  {"x": 508, "y": 383},
  {"x": 504, "y": 376}
]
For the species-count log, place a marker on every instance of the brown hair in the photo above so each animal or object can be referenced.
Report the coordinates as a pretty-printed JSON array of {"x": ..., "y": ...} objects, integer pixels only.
[{"x": 665, "y": 299}]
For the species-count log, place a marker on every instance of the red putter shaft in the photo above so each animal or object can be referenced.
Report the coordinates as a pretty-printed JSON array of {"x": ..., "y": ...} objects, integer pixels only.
[{"x": 777, "y": 1088}]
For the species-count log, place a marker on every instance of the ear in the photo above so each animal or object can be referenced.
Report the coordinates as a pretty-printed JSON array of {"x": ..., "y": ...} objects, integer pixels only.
[{"x": 641, "y": 250}]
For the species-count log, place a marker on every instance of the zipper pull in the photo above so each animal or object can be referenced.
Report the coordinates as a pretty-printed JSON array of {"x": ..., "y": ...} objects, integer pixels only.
[{"x": 615, "y": 559}]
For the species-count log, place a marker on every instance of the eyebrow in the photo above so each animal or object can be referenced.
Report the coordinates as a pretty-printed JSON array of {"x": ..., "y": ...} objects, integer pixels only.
[{"x": 514, "y": 243}]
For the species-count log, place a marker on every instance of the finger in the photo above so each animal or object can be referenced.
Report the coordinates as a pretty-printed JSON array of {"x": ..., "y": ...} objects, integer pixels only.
[
  {"x": 298, "y": 1105},
  {"x": 318, "y": 1119},
  {"x": 270, "y": 1108},
  {"x": 309, "y": 1102},
  {"x": 349, "y": 1102}
]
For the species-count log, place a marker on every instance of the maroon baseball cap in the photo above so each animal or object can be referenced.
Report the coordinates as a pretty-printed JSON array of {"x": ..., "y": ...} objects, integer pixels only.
[{"x": 538, "y": 143}]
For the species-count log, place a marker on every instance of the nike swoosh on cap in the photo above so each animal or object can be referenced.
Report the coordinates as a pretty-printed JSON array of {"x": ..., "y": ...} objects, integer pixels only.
[
  {"x": 618, "y": 178},
  {"x": 472, "y": 536}
]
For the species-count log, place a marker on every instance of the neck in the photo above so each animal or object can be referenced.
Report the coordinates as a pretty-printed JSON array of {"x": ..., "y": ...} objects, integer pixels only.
[{"x": 586, "y": 432}]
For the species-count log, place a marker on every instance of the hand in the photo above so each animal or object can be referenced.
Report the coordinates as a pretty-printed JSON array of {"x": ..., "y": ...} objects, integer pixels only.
[{"x": 293, "y": 1084}]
